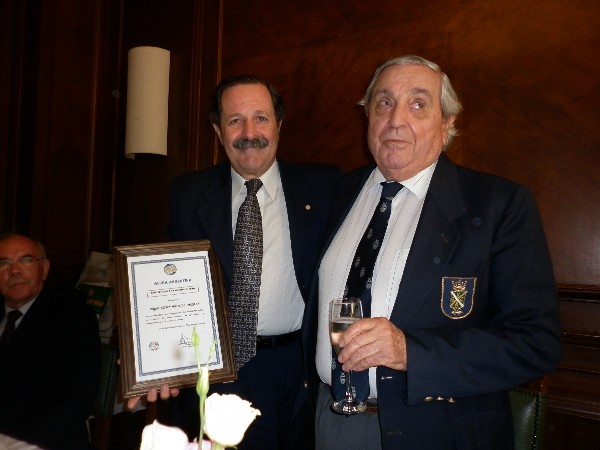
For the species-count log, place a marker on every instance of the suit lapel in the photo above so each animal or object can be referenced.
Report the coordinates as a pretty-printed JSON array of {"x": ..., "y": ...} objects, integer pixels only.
[
  {"x": 297, "y": 198},
  {"x": 347, "y": 192},
  {"x": 34, "y": 320},
  {"x": 434, "y": 243},
  {"x": 214, "y": 213}
]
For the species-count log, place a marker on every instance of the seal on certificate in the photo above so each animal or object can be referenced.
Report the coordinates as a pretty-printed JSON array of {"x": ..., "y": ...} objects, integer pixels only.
[
  {"x": 154, "y": 345},
  {"x": 170, "y": 269}
]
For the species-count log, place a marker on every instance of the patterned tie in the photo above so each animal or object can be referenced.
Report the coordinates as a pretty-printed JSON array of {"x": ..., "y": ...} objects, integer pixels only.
[
  {"x": 247, "y": 269},
  {"x": 9, "y": 329},
  {"x": 359, "y": 285}
]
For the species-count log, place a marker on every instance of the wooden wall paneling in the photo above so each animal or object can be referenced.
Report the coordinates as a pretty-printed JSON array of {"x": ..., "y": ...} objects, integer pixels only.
[
  {"x": 566, "y": 431},
  {"x": 526, "y": 74},
  {"x": 55, "y": 151},
  {"x": 575, "y": 386},
  {"x": 531, "y": 112},
  {"x": 105, "y": 116},
  {"x": 140, "y": 194},
  {"x": 205, "y": 75},
  {"x": 190, "y": 31},
  {"x": 573, "y": 419},
  {"x": 19, "y": 51}
]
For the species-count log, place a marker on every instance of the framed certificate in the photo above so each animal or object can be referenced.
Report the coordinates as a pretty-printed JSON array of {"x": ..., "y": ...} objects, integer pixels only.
[{"x": 164, "y": 291}]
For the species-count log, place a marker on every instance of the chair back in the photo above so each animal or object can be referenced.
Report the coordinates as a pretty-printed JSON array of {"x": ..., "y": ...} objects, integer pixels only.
[
  {"x": 529, "y": 415},
  {"x": 105, "y": 400}
]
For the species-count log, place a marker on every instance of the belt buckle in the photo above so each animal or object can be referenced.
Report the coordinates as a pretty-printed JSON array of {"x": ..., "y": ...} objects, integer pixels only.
[
  {"x": 263, "y": 342},
  {"x": 372, "y": 406}
]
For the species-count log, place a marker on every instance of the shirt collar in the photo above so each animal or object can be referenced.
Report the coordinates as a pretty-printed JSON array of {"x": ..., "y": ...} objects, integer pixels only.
[
  {"x": 270, "y": 180},
  {"x": 24, "y": 308},
  {"x": 418, "y": 184}
]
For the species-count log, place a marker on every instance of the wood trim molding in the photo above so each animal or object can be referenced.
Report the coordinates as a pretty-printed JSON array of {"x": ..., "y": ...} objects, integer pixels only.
[
  {"x": 574, "y": 388},
  {"x": 206, "y": 67}
]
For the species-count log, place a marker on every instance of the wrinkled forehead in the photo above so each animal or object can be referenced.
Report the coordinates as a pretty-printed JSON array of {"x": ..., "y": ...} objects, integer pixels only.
[
  {"x": 408, "y": 80},
  {"x": 246, "y": 97}
]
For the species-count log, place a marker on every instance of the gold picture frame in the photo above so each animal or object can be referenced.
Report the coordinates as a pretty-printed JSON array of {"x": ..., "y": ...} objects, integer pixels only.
[{"x": 163, "y": 291}]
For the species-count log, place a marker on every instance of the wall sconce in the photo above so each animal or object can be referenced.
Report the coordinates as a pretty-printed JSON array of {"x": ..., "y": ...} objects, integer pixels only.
[{"x": 147, "y": 101}]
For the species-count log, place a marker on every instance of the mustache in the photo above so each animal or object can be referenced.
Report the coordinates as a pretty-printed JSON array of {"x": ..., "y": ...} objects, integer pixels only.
[{"x": 245, "y": 143}]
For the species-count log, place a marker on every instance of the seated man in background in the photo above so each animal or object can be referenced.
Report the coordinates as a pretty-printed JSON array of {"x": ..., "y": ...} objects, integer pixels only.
[{"x": 49, "y": 352}]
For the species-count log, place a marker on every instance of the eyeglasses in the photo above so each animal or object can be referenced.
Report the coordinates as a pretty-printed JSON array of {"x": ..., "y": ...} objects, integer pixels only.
[{"x": 23, "y": 262}]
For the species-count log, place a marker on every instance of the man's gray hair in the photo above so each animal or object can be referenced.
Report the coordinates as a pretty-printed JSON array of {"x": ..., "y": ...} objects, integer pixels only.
[{"x": 450, "y": 104}]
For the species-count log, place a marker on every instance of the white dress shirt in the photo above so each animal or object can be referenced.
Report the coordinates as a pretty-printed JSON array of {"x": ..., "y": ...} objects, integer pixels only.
[
  {"x": 335, "y": 266},
  {"x": 281, "y": 306}
]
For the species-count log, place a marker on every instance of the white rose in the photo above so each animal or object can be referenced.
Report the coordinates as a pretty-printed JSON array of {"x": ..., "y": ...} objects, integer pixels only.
[
  {"x": 227, "y": 418},
  {"x": 161, "y": 437}
]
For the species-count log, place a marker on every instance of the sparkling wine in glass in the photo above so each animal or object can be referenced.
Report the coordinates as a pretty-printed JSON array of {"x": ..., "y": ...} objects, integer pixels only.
[{"x": 343, "y": 312}]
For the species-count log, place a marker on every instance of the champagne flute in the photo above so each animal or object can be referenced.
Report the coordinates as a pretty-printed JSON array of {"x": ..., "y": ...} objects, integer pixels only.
[{"x": 343, "y": 312}]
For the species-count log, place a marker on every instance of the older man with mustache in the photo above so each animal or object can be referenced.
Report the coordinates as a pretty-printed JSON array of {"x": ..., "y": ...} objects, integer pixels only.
[
  {"x": 294, "y": 202},
  {"x": 49, "y": 352}
]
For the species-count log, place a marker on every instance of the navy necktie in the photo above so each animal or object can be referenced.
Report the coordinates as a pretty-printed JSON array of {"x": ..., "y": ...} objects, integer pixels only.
[
  {"x": 9, "y": 329},
  {"x": 247, "y": 269},
  {"x": 359, "y": 284}
]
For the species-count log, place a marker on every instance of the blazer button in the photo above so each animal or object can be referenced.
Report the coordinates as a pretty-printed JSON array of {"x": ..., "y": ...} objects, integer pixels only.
[
  {"x": 440, "y": 398},
  {"x": 305, "y": 384},
  {"x": 450, "y": 400},
  {"x": 428, "y": 398}
]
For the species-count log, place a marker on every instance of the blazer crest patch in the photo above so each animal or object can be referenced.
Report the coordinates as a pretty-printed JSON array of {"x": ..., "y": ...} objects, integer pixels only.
[{"x": 458, "y": 296}]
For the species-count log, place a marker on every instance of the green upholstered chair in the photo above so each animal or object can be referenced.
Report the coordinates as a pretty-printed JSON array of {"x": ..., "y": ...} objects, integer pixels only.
[
  {"x": 105, "y": 400},
  {"x": 529, "y": 414}
]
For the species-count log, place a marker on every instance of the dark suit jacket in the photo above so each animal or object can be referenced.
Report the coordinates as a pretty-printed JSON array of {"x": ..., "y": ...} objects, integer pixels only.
[
  {"x": 486, "y": 231},
  {"x": 50, "y": 372},
  {"x": 200, "y": 208}
]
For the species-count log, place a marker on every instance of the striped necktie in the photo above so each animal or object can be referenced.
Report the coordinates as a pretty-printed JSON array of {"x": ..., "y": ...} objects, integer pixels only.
[{"x": 359, "y": 284}]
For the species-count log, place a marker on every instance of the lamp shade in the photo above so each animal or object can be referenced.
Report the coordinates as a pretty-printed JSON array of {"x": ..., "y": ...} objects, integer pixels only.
[{"x": 147, "y": 101}]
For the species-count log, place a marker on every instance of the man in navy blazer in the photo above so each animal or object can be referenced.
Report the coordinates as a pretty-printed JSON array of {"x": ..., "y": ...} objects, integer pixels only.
[
  {"x": 50, "y": 363},
  {"x": 463, "y": 305},
  {"x": 294, "y": 200}
]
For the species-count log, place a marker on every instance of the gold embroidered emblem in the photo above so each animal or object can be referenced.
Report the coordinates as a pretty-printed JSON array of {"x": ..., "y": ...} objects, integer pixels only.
[{"x": 458, "y": 294}]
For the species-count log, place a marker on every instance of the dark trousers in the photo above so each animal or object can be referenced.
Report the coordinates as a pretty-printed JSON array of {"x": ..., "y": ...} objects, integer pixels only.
[{"x": 271, "y": 382}]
